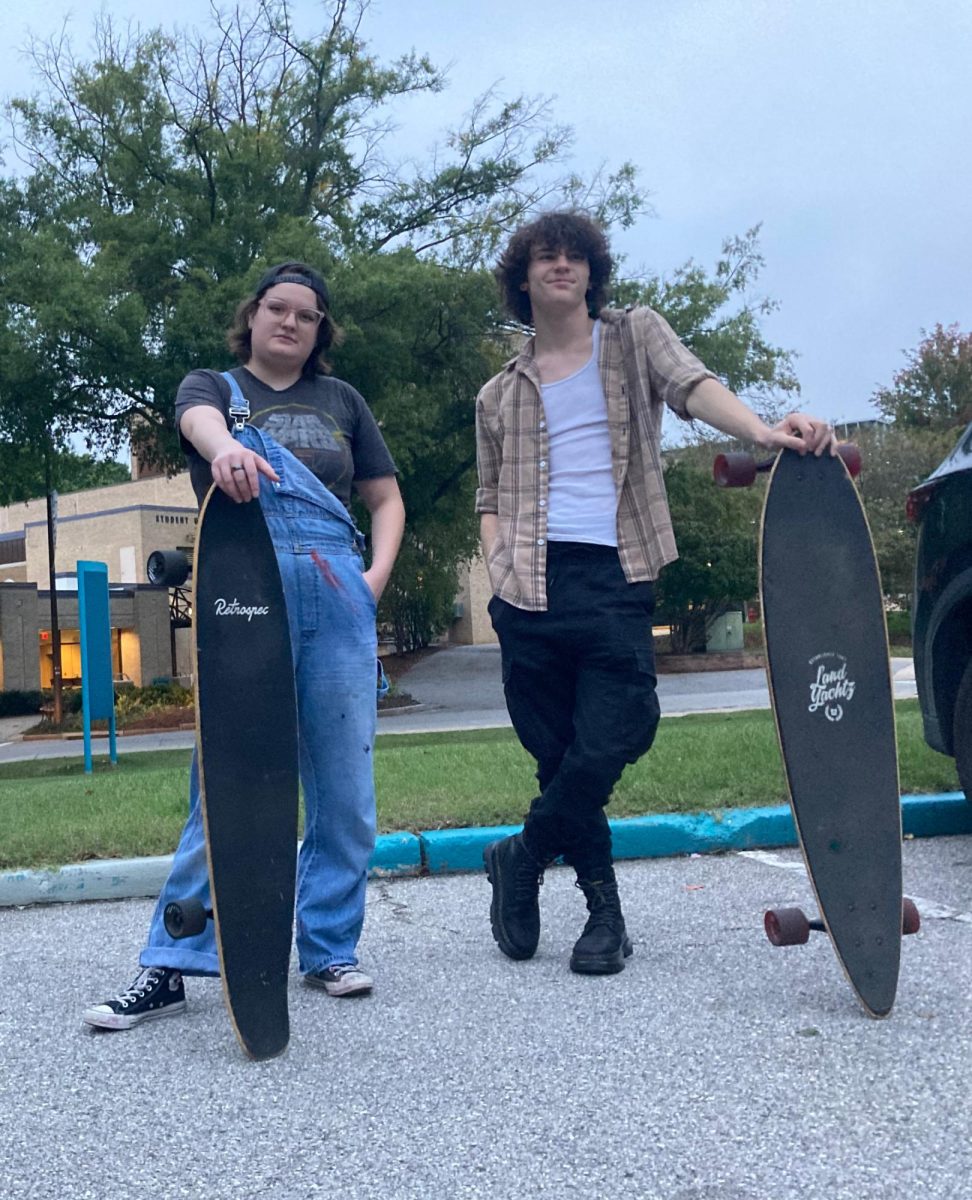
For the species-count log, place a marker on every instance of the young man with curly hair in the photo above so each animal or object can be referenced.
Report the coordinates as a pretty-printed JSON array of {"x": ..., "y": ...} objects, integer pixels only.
[{"x": 575, "y": 528}]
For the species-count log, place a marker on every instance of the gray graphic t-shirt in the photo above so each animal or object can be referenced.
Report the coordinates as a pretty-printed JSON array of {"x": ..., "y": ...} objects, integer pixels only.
[{"x": 323, "y": 422}]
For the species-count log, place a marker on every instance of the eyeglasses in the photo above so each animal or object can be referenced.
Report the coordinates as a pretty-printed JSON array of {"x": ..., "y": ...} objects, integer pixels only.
[{"x": 310, "y": 318}]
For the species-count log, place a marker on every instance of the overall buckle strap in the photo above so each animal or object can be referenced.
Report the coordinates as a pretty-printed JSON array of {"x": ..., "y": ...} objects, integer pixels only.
[{"x": 239, "y": 406}]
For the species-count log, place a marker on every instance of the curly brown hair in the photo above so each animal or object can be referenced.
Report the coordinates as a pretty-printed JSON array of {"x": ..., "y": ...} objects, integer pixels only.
[
  {"x": 570, "y": 230},
  {"x": 328, "y": 332}
]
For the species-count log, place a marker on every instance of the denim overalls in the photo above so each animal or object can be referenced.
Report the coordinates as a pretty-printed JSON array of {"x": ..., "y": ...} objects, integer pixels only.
[{"x": 332, "y": 628}]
